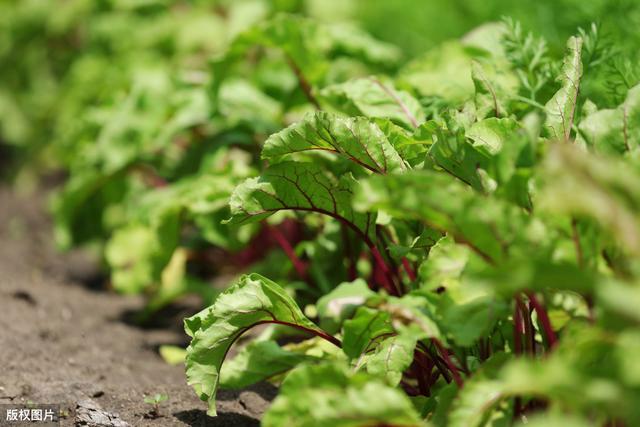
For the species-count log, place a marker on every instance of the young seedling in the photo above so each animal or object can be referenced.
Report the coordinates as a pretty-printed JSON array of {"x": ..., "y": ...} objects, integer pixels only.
[{"x": 155, "y": 401}]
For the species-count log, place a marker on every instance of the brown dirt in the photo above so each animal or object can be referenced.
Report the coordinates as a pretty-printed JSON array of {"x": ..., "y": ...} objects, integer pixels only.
[{"x": 64, "y": 339}]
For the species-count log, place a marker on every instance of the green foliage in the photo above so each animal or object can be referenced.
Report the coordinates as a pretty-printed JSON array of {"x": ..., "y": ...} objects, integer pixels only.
[
  {"x": 252, "y": 301},
  {"x": 156, "y": 399},
  {"x": 336, "y": 396},
  {"x": 451, "y": 237}
]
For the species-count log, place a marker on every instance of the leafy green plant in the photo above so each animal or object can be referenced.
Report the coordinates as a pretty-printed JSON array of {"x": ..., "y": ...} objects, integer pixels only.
[
  {"x": 487, "y": 244},
  {"x": 155, "y": 402}
]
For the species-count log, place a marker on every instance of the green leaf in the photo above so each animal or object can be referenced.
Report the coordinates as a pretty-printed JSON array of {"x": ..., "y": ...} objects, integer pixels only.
[
  {"x": 473, "y": 320},
  {"x": 172, "y": 354},
  {"x": 444, "y": 71},
  {"x": 376, "y": 98},
  {"x": 557, "y": 420},
  {"x": 308, "y": 47},
  {"x": 138, "y": 254},
  {"x": 241, "y": 102},
  {"x": 392, "y": 357},
  {"x": 303, "y": 187},
  {"x": 561, "y": 109},
  {"x": 334, "y": 396},
  {"x": 366, "y": 326},
  {"x": 487, "y": 100},
  {"x": 410, "y": 314},
  {"x": 253, "y": 300},
  {"x": 356, "y": 139},
  {"x": 453, "y": 153},
  {"x": 487, "y": 225},
  {"x": 608, "y": 191},
  {"x": 615, "y": 131},
  {"x": 444, "y": 266},
  {"x": 412, "y": 147},
  {"x": 491, "y": 134},
  {"x": 572, "y": 377},
  {"x": 155, "y": 399},
  {"x": 342, "y": 302},
  {"x": 258, "y": 361}
]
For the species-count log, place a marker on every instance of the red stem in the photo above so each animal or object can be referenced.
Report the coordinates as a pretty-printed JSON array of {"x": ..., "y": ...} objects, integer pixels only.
[
  {"x": 322, "y": 334},
  {"x": 304, "y": 83},
  {"x": 288, "y": 250},
  {"x": 445, "y": 356},
  {"x": 517, "y": 329},
  {"x": 408, "y": 269},
  {"x": 544, "y": 319},
  {"x": 390, "y": 285}
]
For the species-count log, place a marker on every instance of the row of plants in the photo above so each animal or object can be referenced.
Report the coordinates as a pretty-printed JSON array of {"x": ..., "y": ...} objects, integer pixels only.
[
  {"x": 479, "y": 211},
  {"x": 445, "y": 240}
]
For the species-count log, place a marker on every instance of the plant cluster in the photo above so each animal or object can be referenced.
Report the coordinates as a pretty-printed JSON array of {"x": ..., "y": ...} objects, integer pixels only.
[{"x": 481, "y": 218}]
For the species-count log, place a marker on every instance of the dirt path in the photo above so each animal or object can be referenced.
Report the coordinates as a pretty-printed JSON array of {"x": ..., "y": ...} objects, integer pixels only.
[{"x": 62, "y": 339}]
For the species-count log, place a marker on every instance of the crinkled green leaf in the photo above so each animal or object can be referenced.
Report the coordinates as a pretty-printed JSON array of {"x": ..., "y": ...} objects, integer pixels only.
[
  {"x": 569, "y": 377},
  {"x": 608, "y": 191},
  {"x": 492, "y": 92},
  {"x": 374, "y": 97},
  {"x": 342, "y": 301},
  {"x": 392, "y": 357},
  {"x": 258, "y": 361},
  {"x": 303, "y": 187},
  {"x": 138, "y": 254},
  {"x": 491, "y": 134},
  {"x": 412, "y": 147},
  {"x": 241, "y": 102},
  {"x": 253, "y": 300},
  {"x": 485, "y": 224},
  {"x": 473, "y": 320},
  {"x": 410, "y": 314},
  {"x": 561, "y": 109},
  {"x": 557, "y": 420},
  {"x": 334, "y": 396},
  {"x": 356, "y": 139},
  {"x": 444, "y": 71},
  {"x": 617, "y": 130},
  {"x": 366, "y": 326},
  {"x": 458, "y": 157},
  {"x": 308, "y": 47}
]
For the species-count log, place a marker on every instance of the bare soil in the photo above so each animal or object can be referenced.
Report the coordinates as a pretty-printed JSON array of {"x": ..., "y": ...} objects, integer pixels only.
[{"x": 64, "y": 338}]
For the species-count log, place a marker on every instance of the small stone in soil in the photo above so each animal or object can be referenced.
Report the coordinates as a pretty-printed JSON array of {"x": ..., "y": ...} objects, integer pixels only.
[{"x": 90, "y": 414}]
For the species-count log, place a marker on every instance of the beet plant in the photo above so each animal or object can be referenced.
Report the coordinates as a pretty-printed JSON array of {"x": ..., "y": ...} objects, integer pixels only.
[{"x": 470, "y": 239}]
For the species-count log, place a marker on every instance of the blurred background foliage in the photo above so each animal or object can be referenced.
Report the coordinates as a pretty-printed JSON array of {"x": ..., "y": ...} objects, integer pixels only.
[{"x": 60, "y": 56}]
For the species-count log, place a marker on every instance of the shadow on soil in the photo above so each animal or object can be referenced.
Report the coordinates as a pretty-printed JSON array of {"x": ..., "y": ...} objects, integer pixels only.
[{"x": 199, "y": 418}]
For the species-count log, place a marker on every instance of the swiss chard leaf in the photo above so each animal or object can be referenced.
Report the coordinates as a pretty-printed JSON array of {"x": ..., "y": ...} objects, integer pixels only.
[
  {"x": 302, "y": 187},
  {"x": 392, "y": 357},
  {"x": 376, "y": 98},
  {"x": 488, "y": 225},
  {"x": 356, "y": 139},
  {"x": 341, "y": 302},
  {"x": 258, "y": 361},
  {"x": 608, "y": 193},
  {"x": 615, "y": 131},
  {"x": 366, "y": 326},
  {"x": 561, "y": 109},
  {"x": 252, "y": 301},
  {"x": 335, "y": 396}
]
